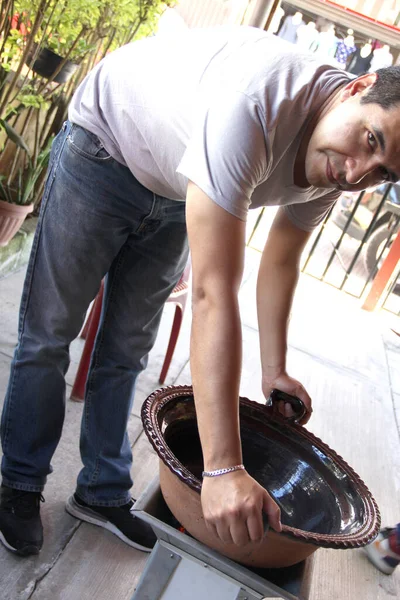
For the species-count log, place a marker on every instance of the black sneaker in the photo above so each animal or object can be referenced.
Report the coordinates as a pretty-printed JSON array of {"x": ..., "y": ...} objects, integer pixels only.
[
  {"x": 21, "y": 529},
  {"x": 120, "y": 520}
]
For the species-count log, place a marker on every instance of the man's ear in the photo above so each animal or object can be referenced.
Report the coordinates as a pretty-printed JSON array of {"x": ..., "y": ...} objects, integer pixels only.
[{"x": 359, "y": 85}]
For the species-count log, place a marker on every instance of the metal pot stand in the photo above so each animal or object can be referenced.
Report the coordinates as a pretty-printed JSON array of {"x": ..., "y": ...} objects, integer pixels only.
[{"x": 180, "y": 567}]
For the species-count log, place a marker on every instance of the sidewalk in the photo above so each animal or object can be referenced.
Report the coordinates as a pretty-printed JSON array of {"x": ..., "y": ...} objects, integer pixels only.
[{"x": 349, "y": 361}]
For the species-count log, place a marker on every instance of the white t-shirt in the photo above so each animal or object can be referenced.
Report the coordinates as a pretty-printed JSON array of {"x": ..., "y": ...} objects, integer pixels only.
[{"x": 222, "y": 107}]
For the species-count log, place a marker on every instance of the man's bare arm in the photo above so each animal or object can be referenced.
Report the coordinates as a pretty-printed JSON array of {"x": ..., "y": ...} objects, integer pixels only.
[
  {"x": 277, "y": 279},
  {"x": 232, "y": 503}
]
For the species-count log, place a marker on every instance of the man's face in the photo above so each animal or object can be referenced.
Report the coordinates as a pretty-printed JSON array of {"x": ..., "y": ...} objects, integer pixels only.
[{"x": 354, "y": 146}]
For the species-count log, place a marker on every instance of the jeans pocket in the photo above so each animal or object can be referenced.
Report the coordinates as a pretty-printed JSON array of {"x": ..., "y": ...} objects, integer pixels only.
[{"x": 87, "y": 144}]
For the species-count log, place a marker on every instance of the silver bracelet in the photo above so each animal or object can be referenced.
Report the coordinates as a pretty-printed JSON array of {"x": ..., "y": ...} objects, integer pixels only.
[{"x": 223, "y": 471}]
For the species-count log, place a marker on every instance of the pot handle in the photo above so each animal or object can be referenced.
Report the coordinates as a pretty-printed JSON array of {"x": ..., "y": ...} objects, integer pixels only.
[{"x": 295, "y": 402}]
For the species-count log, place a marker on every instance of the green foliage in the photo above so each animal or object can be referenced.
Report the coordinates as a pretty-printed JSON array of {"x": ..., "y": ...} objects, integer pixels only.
[
  {"x": 80, "y": 24},
  {"x": 14, "y": 136},
  {"x": 28, "y": 179},
  {"x": 5, "y": 192},
  {"x": 71, "y": 21},
  {"x": 12, "y": 50},
  {"x": 29, "y": 98},
  {"x": 24, "y": 190},
  {"x": 75, "y": 27},
  {"x": 139, "y": 17},
  {"x": 80, "y": 30},
  {"x": 61, "y": 46}
]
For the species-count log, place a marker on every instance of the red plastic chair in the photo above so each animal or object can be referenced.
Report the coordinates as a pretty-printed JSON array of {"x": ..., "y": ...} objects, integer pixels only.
[{"x": 89, "y": 331}]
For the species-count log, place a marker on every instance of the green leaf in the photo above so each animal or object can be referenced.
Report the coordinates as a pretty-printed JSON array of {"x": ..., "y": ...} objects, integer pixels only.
[
  {"x": 4, "y": 192},
  {"x": 14, "y": 136}
]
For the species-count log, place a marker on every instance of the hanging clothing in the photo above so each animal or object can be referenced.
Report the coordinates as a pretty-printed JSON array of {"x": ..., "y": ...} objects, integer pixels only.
[
  {"x": 381, "y": 58},
  {"x": 325, "y": 44},
  {"x": 289, "y": 29},
  {"x": 343, "y": 51},
  {"x": 360, "y": 64},
  {"x": 306, "y": 36}
]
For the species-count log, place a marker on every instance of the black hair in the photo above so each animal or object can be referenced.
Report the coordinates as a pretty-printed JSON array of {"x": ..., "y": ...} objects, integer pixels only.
[{"x": 386, "y": 89}]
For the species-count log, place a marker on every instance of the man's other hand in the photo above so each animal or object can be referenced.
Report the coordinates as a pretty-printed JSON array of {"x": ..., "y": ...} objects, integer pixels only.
[{"x": 285, "y": 383}]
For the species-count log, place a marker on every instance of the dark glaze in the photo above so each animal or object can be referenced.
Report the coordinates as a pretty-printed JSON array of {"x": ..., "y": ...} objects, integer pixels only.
[
  {"x": 322, "y": 499},
  {"x": 312, "y": 492}
]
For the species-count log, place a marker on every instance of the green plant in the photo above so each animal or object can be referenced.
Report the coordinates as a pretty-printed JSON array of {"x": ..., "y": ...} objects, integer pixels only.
[
  {"x": 83, "y": 31},
  {"x": 22, "y": 190},
  {"x": 63, "y": 46},
  {"x": 73, "y": 28},
  {"x": 66, "y": 26},
  {"x": 12, "y": 50},
  {"x": 27, "y": 97}
]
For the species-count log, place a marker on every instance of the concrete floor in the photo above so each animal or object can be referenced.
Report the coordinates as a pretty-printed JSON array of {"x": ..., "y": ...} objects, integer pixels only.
[{"x": 348, "y": 360}]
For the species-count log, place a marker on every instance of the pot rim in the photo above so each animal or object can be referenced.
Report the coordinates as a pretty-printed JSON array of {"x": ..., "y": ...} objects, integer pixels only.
[
  {"x": 158, "y": 400},
  {"x": 15, "y": 209}
]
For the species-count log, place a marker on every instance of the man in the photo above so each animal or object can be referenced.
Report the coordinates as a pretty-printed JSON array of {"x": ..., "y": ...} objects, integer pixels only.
[{"x": 228, "y": 119}]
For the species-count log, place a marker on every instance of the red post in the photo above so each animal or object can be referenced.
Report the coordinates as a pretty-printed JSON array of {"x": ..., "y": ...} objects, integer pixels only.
[
  {"x": 384, "y": 276},
  {"x": 78, "y": 390}
]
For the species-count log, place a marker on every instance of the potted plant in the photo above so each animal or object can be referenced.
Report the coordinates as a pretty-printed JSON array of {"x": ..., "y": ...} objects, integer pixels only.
[
  {"x": 16, "y": 200},
  {"x": 80, "y": 31},
  {"x": 61, "y": 41},
  {"x": 57, "y": 57}
]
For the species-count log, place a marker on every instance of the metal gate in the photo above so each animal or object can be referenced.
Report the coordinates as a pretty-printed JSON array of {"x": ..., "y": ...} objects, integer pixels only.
[{"x": 352, "y": 242}]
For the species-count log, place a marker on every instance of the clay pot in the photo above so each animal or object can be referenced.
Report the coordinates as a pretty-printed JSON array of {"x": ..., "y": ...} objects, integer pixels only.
[
  {"x": 11, "y": 218},
  {"x": 323, "y": 501}
]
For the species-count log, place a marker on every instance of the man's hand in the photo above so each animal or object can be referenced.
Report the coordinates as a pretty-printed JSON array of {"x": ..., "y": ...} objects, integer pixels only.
[
  {"x": 277, "y": 278},
  {"x": 232, "y": 508},
  {"x": 291, "y": 386}
]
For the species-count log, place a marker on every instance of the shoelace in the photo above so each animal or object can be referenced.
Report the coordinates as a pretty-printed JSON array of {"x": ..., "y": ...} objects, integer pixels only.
[{"x": 24, "y": 504}]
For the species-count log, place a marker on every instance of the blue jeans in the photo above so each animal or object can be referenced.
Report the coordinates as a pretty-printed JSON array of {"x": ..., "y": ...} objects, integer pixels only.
[{"x": 96, "y": 220}]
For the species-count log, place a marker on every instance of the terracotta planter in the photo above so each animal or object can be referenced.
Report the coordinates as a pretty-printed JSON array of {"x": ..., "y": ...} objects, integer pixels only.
[
  {"x": 11, "y": 218},
  {"x": 323, "y": 501}
]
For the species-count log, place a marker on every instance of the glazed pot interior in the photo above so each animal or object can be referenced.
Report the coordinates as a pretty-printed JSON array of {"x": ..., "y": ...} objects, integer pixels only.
[{"x": 315, "y": 493}]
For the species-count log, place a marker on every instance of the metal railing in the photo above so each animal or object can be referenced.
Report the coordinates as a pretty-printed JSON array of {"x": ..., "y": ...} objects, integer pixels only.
[
  {"x": 386, "y": 213},
  {"x": 348, "y": 249}
]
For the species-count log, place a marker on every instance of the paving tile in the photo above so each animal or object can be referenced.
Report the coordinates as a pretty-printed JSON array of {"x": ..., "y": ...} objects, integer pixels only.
[
  {"x": 10, "y": 295},
  {"x": 340, "y": 354},
  {"x": 326, "y": 323},
  {"x": 95, "y": 563},
  {"x": 396, "y": 403},
  {"x": 19, "y": 576},
  {"x": 392, "y": 348}
]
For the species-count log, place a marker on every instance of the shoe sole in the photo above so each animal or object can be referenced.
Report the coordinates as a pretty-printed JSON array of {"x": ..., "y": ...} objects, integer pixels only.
[
  {"x": 90, "y": 516},
  {"x": 25, "y": 551}
]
